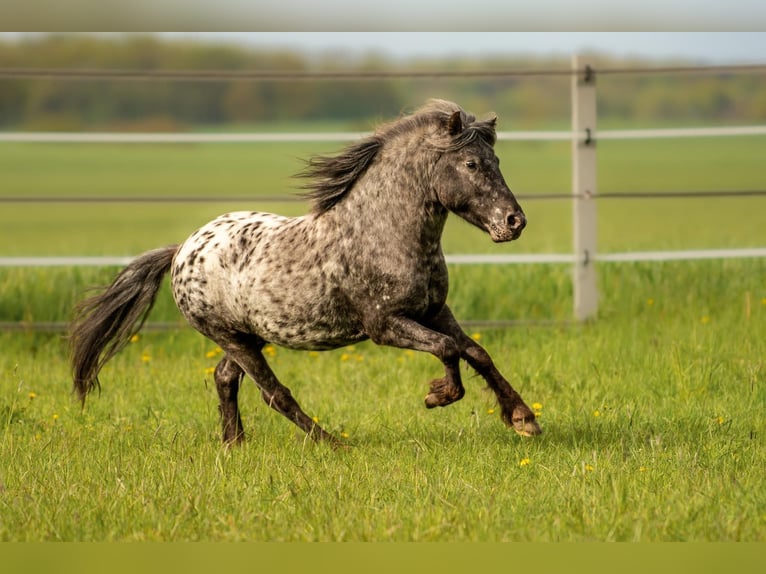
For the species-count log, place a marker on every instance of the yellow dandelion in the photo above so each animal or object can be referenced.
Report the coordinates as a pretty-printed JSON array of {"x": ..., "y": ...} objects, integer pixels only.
[
  {"x": 214, "y": 353},
  {"x": 145, "y": 358},
  {"x": 313, "y": 354},
  {"x": 597, "y": 413},
  {"x": 537, "y": 406},
  {"x": 359, "y": 358},
  {"x": 345, "y": 357},
  {"x": 588, "y": 468},
  {"x": 705, "y": 320},
  {"x": 490, "y": 411},
  {"x": 270, "y": 350},
  {"x": 32, "y": 396},
  {"x": 55, "y": 416},
  {"x": 763, "y": 301},
  {"x": 524, "y": 462},
  {"x": 720, "y": 420},
  {"x": 343, "y": 434},
  {"x": 209, "y": 370},
  {"x": 315, "y": 419},
  {"x": 650, "y": 301},
  {"x": 134, "y": 339},
  {"x": 476, "y": 336},
  {"x": 641, "y": 469}
]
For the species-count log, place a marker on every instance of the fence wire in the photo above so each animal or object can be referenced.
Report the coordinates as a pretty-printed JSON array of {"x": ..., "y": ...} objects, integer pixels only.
[{"x": 351, "y": 75}]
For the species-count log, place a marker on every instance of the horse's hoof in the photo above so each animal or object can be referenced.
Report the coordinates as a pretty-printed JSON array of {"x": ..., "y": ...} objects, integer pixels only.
[
  {"x": 443, "y": 393},
  {"x": 526, "y": 427},
  {"x": 522, "y": 420},
  {"x": 433, "y": 400}
]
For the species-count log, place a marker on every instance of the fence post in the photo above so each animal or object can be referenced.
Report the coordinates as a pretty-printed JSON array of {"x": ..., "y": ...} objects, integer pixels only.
[{"x": 584, "y": 187}]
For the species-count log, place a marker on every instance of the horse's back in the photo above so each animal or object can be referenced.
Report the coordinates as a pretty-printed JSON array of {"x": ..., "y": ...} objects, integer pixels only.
[{"x": 226, "y": 243}]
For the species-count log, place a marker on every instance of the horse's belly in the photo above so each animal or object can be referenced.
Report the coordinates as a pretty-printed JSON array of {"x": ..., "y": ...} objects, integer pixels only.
[
  {"x": 300, "y": 315},
  {"x": 306, "y": 336}
]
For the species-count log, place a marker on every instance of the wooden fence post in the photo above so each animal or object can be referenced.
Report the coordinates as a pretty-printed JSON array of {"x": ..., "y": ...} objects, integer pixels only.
[{"x": 584, "y": 187}]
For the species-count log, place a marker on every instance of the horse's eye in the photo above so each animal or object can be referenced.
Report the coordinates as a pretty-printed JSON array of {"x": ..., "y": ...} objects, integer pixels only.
[{"x": 470, "y": 164}]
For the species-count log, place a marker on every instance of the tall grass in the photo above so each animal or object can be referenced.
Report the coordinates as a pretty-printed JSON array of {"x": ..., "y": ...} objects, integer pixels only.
[{"x": 653, "y": 420}]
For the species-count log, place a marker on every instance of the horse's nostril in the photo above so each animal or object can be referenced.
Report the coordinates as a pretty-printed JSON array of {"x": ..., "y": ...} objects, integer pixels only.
[{"x": 517, "y": 221}]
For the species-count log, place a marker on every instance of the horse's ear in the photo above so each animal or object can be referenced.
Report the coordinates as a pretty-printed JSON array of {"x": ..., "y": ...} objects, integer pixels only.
[
  {"x": 493, "y": 121},
  {"x": 455, "y": 124}
]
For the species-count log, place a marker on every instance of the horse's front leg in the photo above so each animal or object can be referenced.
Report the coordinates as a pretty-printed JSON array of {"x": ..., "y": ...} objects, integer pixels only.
[
  {"x": 514, "y": 410},
  {"x": 405, "y": 333}
]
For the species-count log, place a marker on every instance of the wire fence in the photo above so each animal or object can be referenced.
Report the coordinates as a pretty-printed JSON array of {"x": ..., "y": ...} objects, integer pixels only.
[
  {"x": 581, "y": 75},
  {"x": 192, "y": 75},
  {"x": 170, "y": 138}
]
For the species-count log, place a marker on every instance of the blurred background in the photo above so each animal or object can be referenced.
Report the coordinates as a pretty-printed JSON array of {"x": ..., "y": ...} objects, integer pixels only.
[
  {"x": 62, "y": 104},
  {"x": 77, "y": 197}
]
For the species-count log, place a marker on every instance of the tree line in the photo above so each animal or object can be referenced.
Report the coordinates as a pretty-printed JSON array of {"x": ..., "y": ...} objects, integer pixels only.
[{"x": 522, "y": 102}]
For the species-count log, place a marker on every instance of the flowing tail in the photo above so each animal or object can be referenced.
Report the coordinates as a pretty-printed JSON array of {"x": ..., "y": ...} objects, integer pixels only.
[{"x": 105, "y": 322}]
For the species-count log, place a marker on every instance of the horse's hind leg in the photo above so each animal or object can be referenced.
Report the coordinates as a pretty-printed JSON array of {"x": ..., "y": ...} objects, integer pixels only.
[
  {"x": 275, "y": 394},
  {"x": 514, "y": 410},
  {"x": 228, "y": 377}
]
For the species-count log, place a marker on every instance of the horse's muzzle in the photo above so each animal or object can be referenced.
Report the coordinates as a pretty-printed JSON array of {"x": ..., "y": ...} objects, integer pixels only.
[{"x": 509, "y": 229}]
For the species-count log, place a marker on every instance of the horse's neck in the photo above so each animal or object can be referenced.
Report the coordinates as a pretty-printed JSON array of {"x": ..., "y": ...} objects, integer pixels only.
[{"x": 392, "y": 203}]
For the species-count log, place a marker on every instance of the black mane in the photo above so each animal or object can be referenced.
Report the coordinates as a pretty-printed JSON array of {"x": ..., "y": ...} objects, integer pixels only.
[{"x": 334, "y": 176}]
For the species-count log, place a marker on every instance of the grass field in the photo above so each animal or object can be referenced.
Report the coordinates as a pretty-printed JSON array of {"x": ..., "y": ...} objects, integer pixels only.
[{"x": 653, "y": 415}]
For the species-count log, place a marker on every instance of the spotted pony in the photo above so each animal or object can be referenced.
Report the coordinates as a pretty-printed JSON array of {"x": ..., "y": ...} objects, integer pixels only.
[{"x": 365, "y": 263}]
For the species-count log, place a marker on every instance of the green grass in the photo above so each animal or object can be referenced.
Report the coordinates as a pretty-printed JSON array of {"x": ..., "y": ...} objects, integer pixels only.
[
  {"x": 653, "y": 420},
  {"x": 652, "y": 415}
]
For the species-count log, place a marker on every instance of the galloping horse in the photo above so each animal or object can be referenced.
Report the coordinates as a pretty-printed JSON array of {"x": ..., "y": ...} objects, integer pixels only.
[{"x": 365, "y": 263}]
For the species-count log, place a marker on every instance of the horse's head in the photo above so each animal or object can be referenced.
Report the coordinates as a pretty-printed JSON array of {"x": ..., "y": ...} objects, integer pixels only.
[{"x": 468, "y": 181}]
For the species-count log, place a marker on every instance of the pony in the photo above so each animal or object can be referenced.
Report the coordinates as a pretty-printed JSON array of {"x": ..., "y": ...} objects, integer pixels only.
[{"x": 365, "y": 262}]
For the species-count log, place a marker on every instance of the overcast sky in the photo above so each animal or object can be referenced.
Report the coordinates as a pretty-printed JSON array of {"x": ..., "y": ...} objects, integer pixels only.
[
  {"x": 698, "y": 47},
  {"x": 706, "y": 47}
]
